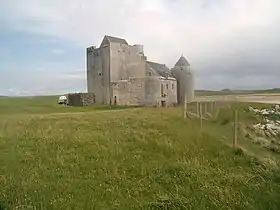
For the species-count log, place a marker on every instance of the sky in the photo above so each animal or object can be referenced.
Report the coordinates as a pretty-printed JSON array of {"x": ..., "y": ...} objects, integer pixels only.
[{"x": 230, "y": 44}]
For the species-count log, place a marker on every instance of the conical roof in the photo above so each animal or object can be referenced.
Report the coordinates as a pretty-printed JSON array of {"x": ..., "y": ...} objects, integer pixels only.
[{"x": 182, "y": 62}]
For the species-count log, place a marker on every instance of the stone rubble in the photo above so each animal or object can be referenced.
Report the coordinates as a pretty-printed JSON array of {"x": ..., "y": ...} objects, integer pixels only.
[{"x": 270, "y": 126}]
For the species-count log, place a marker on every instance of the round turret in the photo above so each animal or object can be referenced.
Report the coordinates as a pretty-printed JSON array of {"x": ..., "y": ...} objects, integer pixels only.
[{"x": 185, "y": 80}]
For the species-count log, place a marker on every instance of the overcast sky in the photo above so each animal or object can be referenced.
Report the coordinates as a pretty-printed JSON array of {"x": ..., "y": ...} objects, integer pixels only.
[{"x": 230, "y": 43}]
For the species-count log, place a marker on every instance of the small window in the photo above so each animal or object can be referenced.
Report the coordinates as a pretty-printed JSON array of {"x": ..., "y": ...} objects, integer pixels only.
[
  {"x": 172, "y": 86},
  {"x": 167, "y": 86},
  {"x": 181, "y": 68},
  {"x": 99, "y": 74},
  {"x": 149, "y": 74}
]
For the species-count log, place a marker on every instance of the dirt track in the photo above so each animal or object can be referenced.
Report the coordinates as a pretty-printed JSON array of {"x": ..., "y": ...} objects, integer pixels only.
[{"x": 261, "y": 98}]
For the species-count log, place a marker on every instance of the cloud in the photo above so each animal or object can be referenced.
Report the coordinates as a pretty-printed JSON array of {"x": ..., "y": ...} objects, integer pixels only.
[
  {"x": 58, "y": 51},
  {"x": 234, "y": 43}
]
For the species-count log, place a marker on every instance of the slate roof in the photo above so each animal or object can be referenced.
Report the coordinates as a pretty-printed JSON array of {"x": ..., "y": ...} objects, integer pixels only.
[
  {"x": 161, "y": 69},
  {"x": 116, "y": 39},
  {"x": 182, "y": 62}
]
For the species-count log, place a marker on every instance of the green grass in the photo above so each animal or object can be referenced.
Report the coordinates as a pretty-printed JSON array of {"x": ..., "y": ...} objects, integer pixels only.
[
  {"x": 126, "y": 159},
  {"x": 43, "y": 105}
]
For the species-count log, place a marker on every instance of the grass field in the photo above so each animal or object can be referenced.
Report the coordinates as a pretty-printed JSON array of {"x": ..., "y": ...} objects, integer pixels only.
[{"x": 56, "y": 157}]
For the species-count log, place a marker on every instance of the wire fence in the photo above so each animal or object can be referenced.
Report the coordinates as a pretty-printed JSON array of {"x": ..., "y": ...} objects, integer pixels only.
[
  {"x": 226, "y": 113},
  {"x": 240, "y": 123}
]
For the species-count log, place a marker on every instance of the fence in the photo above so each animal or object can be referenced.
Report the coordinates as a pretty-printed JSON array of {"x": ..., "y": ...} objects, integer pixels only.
[
  {"x": 244, "y": 124},
  {"x": 210, "y": 111}
]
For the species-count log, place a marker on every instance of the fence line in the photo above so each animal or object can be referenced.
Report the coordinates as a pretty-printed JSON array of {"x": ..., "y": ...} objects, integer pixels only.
[{"x": 210, "y": 110}]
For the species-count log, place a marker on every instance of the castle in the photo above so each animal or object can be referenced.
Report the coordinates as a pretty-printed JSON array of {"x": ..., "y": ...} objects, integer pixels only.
[{"x": 120, "y": 74}]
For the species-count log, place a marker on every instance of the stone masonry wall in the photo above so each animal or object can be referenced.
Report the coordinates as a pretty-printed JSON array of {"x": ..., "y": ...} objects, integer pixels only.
[
  {"x": 81, "y": 99},
  {"x": 129, "y": 92}
]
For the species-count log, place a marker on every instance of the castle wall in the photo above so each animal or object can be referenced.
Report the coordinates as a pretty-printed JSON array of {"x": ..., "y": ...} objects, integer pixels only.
[
  {"x": 169, "y": 90},
  {"x": 170, "y": 86},
  {"x": 153, "y": 91},
  {"x": 98, "y": 74},
  {"x": 126, "y": 62},
  {"x": 160, "y": 91},
  {"x": 137, "y": 91},
  {"x": 95, "y": 74},
  {"x": 121, "y": 93},
  {"x": 90, "y": 69},
  {"x": 106, "y": 75},
  {"x": 185, "y": 78},
  {"x": 129, "y": 92}
]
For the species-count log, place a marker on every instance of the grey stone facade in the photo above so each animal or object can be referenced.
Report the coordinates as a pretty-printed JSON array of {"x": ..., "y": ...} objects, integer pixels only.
[{"x": 119, "y": 74}]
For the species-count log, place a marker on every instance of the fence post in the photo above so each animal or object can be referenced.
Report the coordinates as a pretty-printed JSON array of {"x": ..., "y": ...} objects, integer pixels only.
[
  {"x": 205, "y": 107},
  {"x": 235, "y": 131},
  {"x": 200, "y": 115},
  {"x": 212, "y": 107},
  {"x": 197, "y": 107},
  {"x": 185, "y": 109}
]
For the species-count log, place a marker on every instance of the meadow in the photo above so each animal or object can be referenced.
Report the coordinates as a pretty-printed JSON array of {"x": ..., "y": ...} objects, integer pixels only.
[{"x": 102, "y": 157}]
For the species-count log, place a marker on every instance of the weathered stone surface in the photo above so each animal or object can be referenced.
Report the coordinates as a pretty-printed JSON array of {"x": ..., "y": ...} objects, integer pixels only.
[{"x": 81, "y": 99}]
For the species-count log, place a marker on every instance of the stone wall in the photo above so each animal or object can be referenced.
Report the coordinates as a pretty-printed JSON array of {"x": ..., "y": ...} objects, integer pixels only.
[
  {"x": 160, "y": 91},
  {"x": 169, "y": 96},
  {"x": 81, "y": 99},
  {"x": 129, "y": 92},
  {"x": 126, "y": 62},
  {"x": 185, "y": 78},
  {"x": 98, "y": 75}
]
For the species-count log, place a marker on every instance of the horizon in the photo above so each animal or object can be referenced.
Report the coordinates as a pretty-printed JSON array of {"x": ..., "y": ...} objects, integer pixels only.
[{"x": 255, "y": 91}]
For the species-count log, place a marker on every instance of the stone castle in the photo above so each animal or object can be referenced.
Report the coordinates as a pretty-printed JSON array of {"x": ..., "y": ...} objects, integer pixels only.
[{"x": 120, "y": 74}]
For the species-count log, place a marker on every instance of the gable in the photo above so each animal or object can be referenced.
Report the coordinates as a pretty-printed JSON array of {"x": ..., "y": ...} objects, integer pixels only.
[
  {"x": 105, "y": 41},
  {"x": 116, "y": 40}
]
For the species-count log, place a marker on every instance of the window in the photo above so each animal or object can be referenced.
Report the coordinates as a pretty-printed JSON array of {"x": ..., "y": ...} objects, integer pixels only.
[
  {"x": 166, "y": 86},
  {"x": 181, "y": 68},
  {"x": 99, "y": 74},
  {"x": 149, "y": 74},
  {"x": 172, "y": 86}
]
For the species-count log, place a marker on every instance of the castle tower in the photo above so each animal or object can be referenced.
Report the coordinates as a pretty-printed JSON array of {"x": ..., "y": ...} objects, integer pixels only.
[{"x": 185, "y": 80}]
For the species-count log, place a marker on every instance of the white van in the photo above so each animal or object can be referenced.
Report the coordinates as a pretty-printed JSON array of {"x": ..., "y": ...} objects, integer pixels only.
[{"x": 63, "y": 100}]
